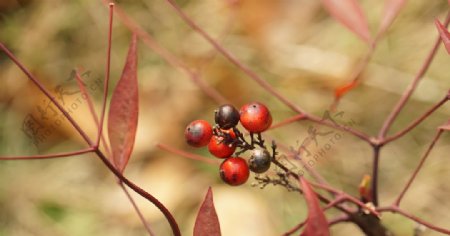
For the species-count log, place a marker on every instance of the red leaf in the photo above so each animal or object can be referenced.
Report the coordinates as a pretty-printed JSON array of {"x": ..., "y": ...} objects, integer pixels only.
[
  {"x": 391, "y": 10},
  {"x": 349, "y": 13},
  {"x": 341, "y": 90},
  {"x": 445, "y": 35},
  {"x": 316, "y": 224},
  {"x": 207, "y": 222},
  {"x": 123, "y": 111}
]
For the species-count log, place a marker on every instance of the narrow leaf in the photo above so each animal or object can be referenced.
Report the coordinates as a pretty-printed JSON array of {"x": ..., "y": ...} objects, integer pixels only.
[
  {"x": 123, "y": 111},
  {"x": 207, "y": 222},
  {"x": 342, "y": 90},
  {"x": 316, "y": 224},
  {"x": 445, "y": 35},
  {"x": 350, "y": 14},
  {"x": 391, "y": 10}
]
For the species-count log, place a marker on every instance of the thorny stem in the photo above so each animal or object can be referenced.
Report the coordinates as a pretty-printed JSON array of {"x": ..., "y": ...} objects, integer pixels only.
[
  {"x": 418, "y": 168},
  {"x": 107, "y": 74},
  {"x": 412, "y": 87}
]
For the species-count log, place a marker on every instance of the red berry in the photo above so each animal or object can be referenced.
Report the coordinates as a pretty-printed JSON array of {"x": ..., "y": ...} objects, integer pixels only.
[
  {"x": 226, "y": 116},
  {"x": 234, "y": 171},
  {"x": 198, "y": 133},
  {"x": 255, "y": 117},
  {"x": 219, "y": 147}
]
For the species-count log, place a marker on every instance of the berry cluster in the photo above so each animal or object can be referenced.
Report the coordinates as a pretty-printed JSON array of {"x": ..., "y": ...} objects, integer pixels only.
[{"x": 223, "y": 139}]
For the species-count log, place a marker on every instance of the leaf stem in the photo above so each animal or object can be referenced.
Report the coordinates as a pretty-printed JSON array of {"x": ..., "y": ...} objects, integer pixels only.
[{"x": 107, "y": 74}]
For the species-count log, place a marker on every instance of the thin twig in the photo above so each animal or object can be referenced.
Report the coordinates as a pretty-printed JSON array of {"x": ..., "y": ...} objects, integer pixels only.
[
  {"x": 92, "y": 110},
  {"x": 136, "y": 208},
  {"x": 375, "y": 171},
  {"x": 186, "y": 154},
  {"x": 172, "y": 60},
  {"x": 354, "y": 132},
  {"x": 47, "y": 93},
  {"x": 416, "y": 122},
  {"x": 140, "y": 191},
  {"x": 137, "y": 189},
  {"x": 412, "y": 87},
  {"x": 418, "y": 168},
  {"x": 107, "y": 74},
  {"x": 269, "y": 88},
  {"x": 416, "y": 219},
  {"x": 48, "y": 156},
  {"x": 295, "y": 228},
  {"x": 345, "y": 196}
]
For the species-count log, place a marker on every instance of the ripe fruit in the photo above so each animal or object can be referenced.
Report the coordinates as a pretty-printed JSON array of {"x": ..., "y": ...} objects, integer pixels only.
[
  {"x": 219, "y": 147},
  {"x": 226, "y": 116},
  {"x": 234, "y": 171},
  {"x": 259, "y": 162},
  {"x": 198, "y": 133},
  {"x": 255, "y": 117}
]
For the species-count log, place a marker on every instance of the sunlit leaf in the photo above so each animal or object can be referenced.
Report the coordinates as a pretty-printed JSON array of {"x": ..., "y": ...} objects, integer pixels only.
[
  {"x": 316, "y": 224},
  {"x": 349, "y": 13},
  {"x": 445, "y": 35},
  {"x": 391, "y": 10},
  {"x": 124, "y": 109},
  {"x": 207, "y": 222}
]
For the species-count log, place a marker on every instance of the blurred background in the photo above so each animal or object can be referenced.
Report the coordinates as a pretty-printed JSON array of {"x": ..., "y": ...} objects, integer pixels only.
[{"x": 294, "y": 45}]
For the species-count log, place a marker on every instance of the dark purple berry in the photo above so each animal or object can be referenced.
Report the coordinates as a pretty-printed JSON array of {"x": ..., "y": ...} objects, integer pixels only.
[
  {"x": 259, "y": 162},
  {"x": 226, "y": 116}
]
